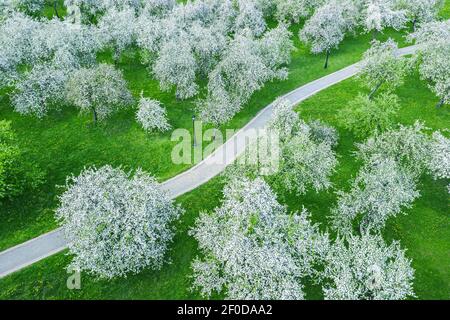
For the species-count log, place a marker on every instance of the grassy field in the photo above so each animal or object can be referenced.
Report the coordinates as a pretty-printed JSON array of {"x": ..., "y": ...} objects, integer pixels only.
[
  {"x": 423, "y": 230},
  {"x": 65, "y": 142}
]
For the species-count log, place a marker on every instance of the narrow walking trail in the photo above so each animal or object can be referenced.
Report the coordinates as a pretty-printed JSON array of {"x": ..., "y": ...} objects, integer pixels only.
[{"x": 36, "y": 249}]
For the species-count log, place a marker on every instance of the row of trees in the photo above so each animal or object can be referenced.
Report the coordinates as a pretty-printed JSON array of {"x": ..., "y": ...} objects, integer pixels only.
[
  {"x": 251, "y": 246},
  {"x": 222, "y": 40},
  {"x": 226, "y": 42},
  {"x": 332, "y": 20}
]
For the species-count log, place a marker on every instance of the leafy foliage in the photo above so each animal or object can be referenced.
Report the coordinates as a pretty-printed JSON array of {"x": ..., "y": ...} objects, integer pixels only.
[
  {"x": 16, "y": 175},
  {"x": 365, "y": 268},
  {"x": 365, "y": 117}
]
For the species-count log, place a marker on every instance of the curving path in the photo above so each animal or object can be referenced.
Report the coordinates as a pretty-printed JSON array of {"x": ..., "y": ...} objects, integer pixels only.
[{"x": 36, "y": 249}]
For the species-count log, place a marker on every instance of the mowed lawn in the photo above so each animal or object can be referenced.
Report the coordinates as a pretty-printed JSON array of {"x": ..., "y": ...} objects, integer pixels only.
[
  {"x": 423, "y": 230},
  {"x": 65, "y": 142}
]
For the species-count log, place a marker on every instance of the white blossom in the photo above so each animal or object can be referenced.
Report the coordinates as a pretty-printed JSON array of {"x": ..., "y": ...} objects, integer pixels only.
[
  {"x": 284, "y": 119},
  {"x": 305, "y": 163},
  {"x": 326, "y": 29},
  {"x": 293, "y": 10},
  {"x": 439, "y": 160},
  {"x": 321, "y": 132},
  {"x": 407, "y": 145},
  {"x": 421, "y": 11},
  {"x": 253, "y": 249},
  {"x": 158, "y": 7},
  {"x": 39, "y": 90},
  {"x": 381, "y": 189},
  {"x": 382, "y": 65},
  {"x": 16, "y": 36},
  {"x": 151, "y": 115},
  {"x": 276, "y": 47},
  {"x": 25, "y": 41},
  {"x": 250, "y": 18},
  {"x": 380, "y": 14},
  {"x": 246, "y": 66},
  {"x": 176, "y": 66},
  {"x": 365, "y": 268},
  {"x": 434, "y": 49},
  {"x": 116, "y": 27},
  {"x": 116, "y": 223},
  {"x": 100, "y": 90}
]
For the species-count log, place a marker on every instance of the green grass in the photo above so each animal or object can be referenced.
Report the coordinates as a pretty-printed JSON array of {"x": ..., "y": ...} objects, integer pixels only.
[
  {"x": 423, "y": 230},
  {"x": 65, "y": 142}
]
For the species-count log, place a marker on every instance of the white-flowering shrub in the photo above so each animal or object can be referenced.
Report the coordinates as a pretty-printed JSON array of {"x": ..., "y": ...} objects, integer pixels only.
[
  {"x": 116, "y": 223},
  {"x": 152, "y": 116},
  {"x": 100, "y": 90},
  {"x": 207, "y": 46},
  {"x": 284, "y": 119},
  {"x": 40, "y": 90},
  {"x": 91, "y": 8},
  {"x": 116, "y": 28},
  {"x": 275, "y": 49},
  {"x": 25, "y": 41},
  {"x": 439, "y": 159},
  {"x": 307, "y": 156},
  {"x": 158, "y": 7},
  {"x": 433, "y": 40},
  {"x": 381, "y": 65},
  {"x": 421, "y": 11},
  {"x": 430, "y": 33},
  {"x": 380, "y": 14},
  {"x": 407, "y": 145},
  {"x": 16, "y": 34},
  {"x": 246, "y": 66},
  {"x": 365, "y": 268},
  {"x": 253, "y": 249},
  {"x": 176, "y": 66},
  {"x": 293, "y": 10},
  {"x": 224, "y": 40},
  {"x": 381, "y": 189},
  {"x": 30, "y": 6},
  {"x": 305, "y": 163},
  {"x": 326, "y": 29},
  {"x": 149, "y": 32},
  {"x": 250, "y": 18},
  {"x": 321, "y": 132}
]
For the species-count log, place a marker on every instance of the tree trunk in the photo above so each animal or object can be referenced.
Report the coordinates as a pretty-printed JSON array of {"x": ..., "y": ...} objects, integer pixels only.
[
  {"x": 440, "y": 103},
  {"x": 94, "y": 112},
  {"x": 375, "y": 90},
  {"x": 364, "y": 225},
  {"x": 56, "y": 10},
  {"x": 326, "y": 59},
  {"x": 374, "y": 34}
]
